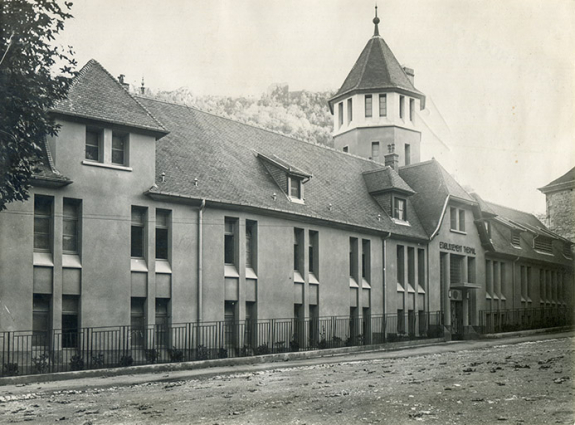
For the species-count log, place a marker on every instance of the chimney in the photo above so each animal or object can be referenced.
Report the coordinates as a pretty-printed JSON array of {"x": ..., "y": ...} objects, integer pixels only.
[
  {"x": 122, "y": 82},
  {"x": 391, "y": 159},
  {"x": 410, "y": 74},
  {"x": 143, "y": 88}
]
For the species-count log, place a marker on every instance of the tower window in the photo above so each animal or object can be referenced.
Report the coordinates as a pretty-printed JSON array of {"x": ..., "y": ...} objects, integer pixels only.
[
  {"x": 340, "y": 114},
  {"x": 401, "y": 106},
  {"x": 407, "y": 154},
  {"x": 411, "y": 109},
  {"x": 368, "y": 106},
  {"x": 375, "y": 151},
  {"x": 349, "y": 110},
  {"x": 382, "y": 105}
]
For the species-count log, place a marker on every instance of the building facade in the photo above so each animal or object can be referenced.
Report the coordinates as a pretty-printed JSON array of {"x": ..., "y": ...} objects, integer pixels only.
[
  {"x": 560, "y": 200},
  {"x": 152, "y": 224}
]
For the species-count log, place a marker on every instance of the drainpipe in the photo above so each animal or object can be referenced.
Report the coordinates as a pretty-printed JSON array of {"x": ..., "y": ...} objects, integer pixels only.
[
  {"x": 384, "y": 280},
  {"x": 200, "y": 258}
]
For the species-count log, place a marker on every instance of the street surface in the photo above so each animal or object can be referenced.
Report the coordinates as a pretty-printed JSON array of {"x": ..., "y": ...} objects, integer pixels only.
[{"x": 479, "y": 382}]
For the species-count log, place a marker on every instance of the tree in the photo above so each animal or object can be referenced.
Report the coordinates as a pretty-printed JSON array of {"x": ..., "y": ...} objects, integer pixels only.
[{"x": 28, "y": 87}]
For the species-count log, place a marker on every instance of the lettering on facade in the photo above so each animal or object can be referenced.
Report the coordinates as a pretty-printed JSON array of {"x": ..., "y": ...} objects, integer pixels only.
[{"x": 456, "y": 248}]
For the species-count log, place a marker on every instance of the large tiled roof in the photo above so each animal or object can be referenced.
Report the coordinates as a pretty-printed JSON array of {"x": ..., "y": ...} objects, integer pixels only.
[
  {"x": 432, "y": 185},
  {"x": 566, "y": 181},
  {"x": 95, "y": 94},
  {"x": 223, "y": 156},
  {"x": 377, "y": 69}
]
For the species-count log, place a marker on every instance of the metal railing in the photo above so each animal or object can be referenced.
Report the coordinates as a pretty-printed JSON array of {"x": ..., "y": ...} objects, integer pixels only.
[
  {"x": 29, "y": 352},
  {"x": 496, "y": 321}
]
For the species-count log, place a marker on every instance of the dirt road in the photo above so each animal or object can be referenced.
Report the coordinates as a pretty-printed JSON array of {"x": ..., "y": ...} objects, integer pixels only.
[{"x": 525, "y": 383}]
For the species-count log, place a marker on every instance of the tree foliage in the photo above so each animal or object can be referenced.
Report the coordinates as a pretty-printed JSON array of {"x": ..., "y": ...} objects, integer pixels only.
[
  {"x": 28, "y": 87},
  {"x": 300, "y": 114}
]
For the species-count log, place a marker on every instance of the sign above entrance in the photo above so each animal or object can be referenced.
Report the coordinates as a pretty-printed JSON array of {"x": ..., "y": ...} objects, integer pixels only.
[{"x": 456, "y": 248}]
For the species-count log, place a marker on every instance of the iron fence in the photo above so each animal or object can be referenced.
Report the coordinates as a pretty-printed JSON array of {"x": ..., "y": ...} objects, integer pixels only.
[
  {"x": 29, "y": 352},
  {"x": 495, "y": 321}
]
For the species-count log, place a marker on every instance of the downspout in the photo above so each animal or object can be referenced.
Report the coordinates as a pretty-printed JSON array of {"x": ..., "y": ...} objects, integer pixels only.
[
  {"x": 384, "y": 270},
  {"x": 441, "y": 218},
  {"x": 200, "y": 258}
]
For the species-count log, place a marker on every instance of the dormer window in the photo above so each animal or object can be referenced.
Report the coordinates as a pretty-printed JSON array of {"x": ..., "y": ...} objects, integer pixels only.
[
  {"x": 295, "y": 188},
  {"x": 516, "y": 238},
  {"x": 399, "y": 210},
  {"x": 543, "y": 244}
]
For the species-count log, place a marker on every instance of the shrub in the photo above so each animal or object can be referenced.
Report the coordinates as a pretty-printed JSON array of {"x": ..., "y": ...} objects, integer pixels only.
[
  {"x": 97, "y": 361},
  {"x": 176, "y": 355},
  {"x": 76, "y": 362},
  {"x": 11, "y": 369},
  {"x": 222, "y": 353},
  {"x": 322, "y": 344},
  {"x": 202, "y": 353},
  {"x": 41, "y": 363},
  {"x": 246, "y": 351},
  {"x": 262, "y": 349},
  {"x": 151, "y": 355},
  {"x": 280, "y": 347},
  {"x": 126, "y": 360},
  {"x": 293, "y": 346}
]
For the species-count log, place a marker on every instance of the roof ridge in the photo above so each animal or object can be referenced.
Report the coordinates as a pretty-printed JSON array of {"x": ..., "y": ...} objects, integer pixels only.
[
  {"x": 510, "y": 208},
  {"x": 258, "y": 127}
]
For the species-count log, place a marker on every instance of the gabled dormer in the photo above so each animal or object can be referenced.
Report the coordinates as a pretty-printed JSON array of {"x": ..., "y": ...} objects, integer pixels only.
[
  {"x": 289, "y": 178},
  {"x": 391, "y": 192},
  {"x": 377, "y": 105}
]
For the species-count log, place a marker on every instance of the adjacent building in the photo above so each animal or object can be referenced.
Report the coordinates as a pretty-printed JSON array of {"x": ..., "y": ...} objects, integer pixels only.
[
  {"x": 560, "y": 200},
  {"x": 153, "y": 224}
]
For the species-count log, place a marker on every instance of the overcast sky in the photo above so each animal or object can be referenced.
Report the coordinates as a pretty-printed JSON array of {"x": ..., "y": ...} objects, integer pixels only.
[{"x": 498, "y": 74}]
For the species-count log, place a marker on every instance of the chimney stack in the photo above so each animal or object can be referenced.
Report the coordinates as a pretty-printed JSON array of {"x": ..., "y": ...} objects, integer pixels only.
[
  {"x": 122, "y": 82},
  {"x": 391, "y": 159},
  {"x": 410, "y": 74},
  {"x": 143, "y": 88}
]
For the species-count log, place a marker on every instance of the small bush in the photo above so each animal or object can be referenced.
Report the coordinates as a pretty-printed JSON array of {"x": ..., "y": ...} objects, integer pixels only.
[
  {"x": 262, "y": 349},
  {"x": 11, "y": 369},
  {"x": 97, "y": 360},
  {"x": 336, "y": 341},
  {"x": 76, "y": 362},
  {"x": 280, "y": 347},
  {"x": 322, "y": 344},
  {"x": 247, "y": 351},
  {"x": 222, "y": 353},
  {"x": 176, "y": 355},
  {"x": 41, "y": 363},
  {"x": 293, "y": 346},
  {"x": 151, "y": 355},
  {"x": 126, "y": 360},
  {"x": 202, "y": 353}
]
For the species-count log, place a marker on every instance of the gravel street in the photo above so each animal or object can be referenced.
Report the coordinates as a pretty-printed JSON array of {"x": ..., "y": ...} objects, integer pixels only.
[{"x": 479, "y": 382}]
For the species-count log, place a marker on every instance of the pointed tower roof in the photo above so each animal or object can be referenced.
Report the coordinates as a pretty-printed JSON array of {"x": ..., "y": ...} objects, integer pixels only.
[
  {"x": 96, "y": 95},
  {"x": 377, "y": 69}
]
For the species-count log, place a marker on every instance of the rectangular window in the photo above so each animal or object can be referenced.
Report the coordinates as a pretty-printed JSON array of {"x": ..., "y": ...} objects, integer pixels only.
[
  {"x": 119, "y": 147},
  {"x": 230, "y": 229},
  {"x": 70, "y": 321},
  {"x": 41, "y": 320},
  {"x": 353, "y": 269},
  {"x": 137, "y": 240},
  {"x": 230, "y": 323},
  {"x": 400, "y": 322},
  {"x": 407, "y": 154},
  {"x": 366, "y": 259},
  {"x": 399, "y": 209},
  {"x": 382, "y": 105},
  {"x": 346, "y": 149},
  {"x": 401, "y": 265},
  {"x": 298, "y": 250},
  {"x": 368, "y": 106},
  {"x": 162, "y": 321},
  {"x": 137, "y": 321},
  {"x": 349, "y": 110},
  {"x": 43, "y": 214},
  {"x": 162, "y": 234},
  {"x": 488, "y": 278},
  {"x": 295, "y": 187},
  {"x": 503, "y": 285},
  {"x": 251, "y": 241},
  {"x": 340, "y": 113},
  {"x": 421, "y": 267},
  {"x": 313, "y": 252},
  {"x": 411, "y": 265},
  {"x": 496, "y": 279},
  {"x": 93, "y": 145},
  {"x": 71, "y": 226},
  {"x": 528, "y": 285},
  {"x": 457, "y": 219},
  {"x": 411, "y": 109},
  {"x": 471, "y": 269},
  {"x": 456, "y": 268},
  {"x": 401, "y": 106},
  {"x": 375, "y": 151}
]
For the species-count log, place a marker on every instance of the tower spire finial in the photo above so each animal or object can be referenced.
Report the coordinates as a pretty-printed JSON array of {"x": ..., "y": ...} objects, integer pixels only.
[{"x": 376, "y": 21}]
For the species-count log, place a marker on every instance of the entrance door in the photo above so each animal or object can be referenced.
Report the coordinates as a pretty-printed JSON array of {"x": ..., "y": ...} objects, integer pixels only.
[{"x": 456, "y": 320}]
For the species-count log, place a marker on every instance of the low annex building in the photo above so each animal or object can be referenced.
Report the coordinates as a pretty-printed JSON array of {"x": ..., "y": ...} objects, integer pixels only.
[{"x": 147, "y": 215}]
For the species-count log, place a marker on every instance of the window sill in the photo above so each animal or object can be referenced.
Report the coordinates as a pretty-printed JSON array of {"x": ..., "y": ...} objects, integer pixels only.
[
  {"x": 312, "y": 278},
  {"x": 543, "y": 252},
  {"x": 353, "y": 283},
  {"x": 110, "y": 166},
  {"x": 230, "y": 271},
  {"x": 297, "y": 277},
  {"x": 163, "y": 266},
  {"x": 516, "y": 247},
  {"x": 458, "y": 231},
  {"x": 250, "y": 273},
  {"x": 43, "y": 259},
  {"x": 296, "y": 200},
  {"x": 138, "y": 265},
  {"x": 365, "y": 284},
  {"x": 401, "y": 222},
  {"x": 71, "y": 261},
  {"x": 400, "y": 287}
]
